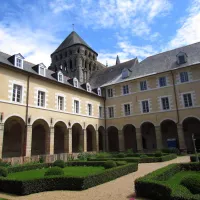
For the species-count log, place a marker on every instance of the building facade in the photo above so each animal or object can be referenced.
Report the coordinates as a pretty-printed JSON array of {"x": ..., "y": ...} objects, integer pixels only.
[{"x": 78, "y": 104}]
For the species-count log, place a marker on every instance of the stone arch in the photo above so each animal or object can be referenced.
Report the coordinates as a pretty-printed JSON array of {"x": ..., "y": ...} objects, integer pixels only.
[
  {"x": 77, "y": 143},
  {"x": 91, "y": 138},
  {"x": 60, "y": 134},
  {"x": 113, "y": 138},
  {"x": 130, "y": 141},
  {"x": 40, "y": 137},
  {"x": 169, "y": 133},
  {"x": 191, "y": 126},
  {"x": 148, "y": 136},
  {"x": 101, "y": 131},
  {"x": 13, "y": 138}
]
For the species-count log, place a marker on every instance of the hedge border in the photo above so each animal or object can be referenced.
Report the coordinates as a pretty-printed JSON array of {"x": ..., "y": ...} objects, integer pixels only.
[
  {"x": 151, "y": 185},
  {"x": 25, "y": 187}
]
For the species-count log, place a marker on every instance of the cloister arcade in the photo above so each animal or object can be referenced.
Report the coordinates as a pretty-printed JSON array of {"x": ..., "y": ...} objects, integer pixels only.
[{"x": 59, "y": 138}]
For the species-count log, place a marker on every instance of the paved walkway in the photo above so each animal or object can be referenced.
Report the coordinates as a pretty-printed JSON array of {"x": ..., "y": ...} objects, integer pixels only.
[{"x": 119, "y": 189}]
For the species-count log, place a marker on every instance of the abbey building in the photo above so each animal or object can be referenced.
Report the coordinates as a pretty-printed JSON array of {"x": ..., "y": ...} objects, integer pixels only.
[{"x": 78, "y": 104}]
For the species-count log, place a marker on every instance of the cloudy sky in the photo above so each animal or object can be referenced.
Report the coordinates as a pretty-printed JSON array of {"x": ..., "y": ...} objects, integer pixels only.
[{"x": 129, "y": 28}]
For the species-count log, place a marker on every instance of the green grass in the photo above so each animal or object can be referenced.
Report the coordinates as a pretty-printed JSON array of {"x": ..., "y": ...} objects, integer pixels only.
[{"x": 69, "y": 171}]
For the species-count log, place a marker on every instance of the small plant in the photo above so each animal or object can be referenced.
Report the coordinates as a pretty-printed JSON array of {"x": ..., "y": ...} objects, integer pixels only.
[
  {"x": 59, "y": 163},
  {"x": 41, "y": 159},
  {"x": 84, "y": 156},
  {"x": 129, "y": 153},
  {"x": 80, "y": 148},
  {"x": 54, "y": 171},
  {"x": 109, "y": 164},
  {"x": 3, "y": 171},
  {"x": 158, "y": 154},
  {"x": 120, "y": 163},
  {"x": 143, "y": 156}
]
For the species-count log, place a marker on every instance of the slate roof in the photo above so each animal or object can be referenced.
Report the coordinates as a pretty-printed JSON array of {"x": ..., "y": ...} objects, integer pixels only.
[
  {"x": 109, "y": 74},
  {"x": 160, "y": 63},
  {"x": 29, "y": 67},
  {"x": 72, "y": 39}
]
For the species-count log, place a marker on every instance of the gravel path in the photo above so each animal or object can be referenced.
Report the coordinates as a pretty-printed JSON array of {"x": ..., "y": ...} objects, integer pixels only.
[{"x": 119, "y": 189}]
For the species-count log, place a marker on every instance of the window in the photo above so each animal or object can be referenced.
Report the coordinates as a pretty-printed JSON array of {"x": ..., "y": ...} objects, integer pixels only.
[
  {"x": 88, "y": 87},
  {"x": 184, "y": 77},
  {"x": 165, "y": 103},
  {"x": 75, "y": 81},
  {"x": 100, "y": 111},
  {"x": 110, "y": 112},
  {"x": 17, "y": 93},
  {"x": 125, "y": 73},
  {"x": 145, "y": 106},
  {"x": 42, "y": 71},
  {"x": 99, "y": 91},
  {"x": 187, "y": 98},
  {"x": 60, "y": 77},
  {"x": 110, "y": 92},
  {"x": 76, "y": 106},
  {"x": 125, "y": 89},
  {"x": 162, "y": 81},
  {"x": 143, "y": 85},
  {"x": 19, "y": 62},
  {"x": 89, "y": 109},
  {"x": 181, "y": 59},
  {"x": 127, "y": 109},
  {"x": 60, "y": 103},
  {"x": 41, "y": 99}
]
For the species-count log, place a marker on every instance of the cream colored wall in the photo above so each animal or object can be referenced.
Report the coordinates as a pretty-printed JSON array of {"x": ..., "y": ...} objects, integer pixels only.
[
  {"x": 9, "y": 108},
  {"x": 156, "y": 115}
]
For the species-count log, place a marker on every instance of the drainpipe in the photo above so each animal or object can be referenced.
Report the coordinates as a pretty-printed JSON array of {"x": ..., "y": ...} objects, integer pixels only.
[{"x": 105, "y": 122}]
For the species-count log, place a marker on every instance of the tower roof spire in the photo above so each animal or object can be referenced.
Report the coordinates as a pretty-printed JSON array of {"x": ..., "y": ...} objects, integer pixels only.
[{"x": 117, "y": 60}]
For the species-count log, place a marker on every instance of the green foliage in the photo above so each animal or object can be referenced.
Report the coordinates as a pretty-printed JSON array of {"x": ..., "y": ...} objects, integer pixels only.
[
  {"x": 3, "y": 171},
  {"x": 86, "y": 163},
  {"x": 4, "y": 164},
  {"x": 109, "y": 164},
  {"x": 41, "y": 159},
  {"x": 193, "y": 158},
  {"x": 54, "y": 171},
  {"x": 143, "y": 156},
  {"x": 171, "y": 150},
  {"x": 49, "y": 183},
  {"x": 192, "y": 183},
  {"x": 59, "y": 163},
  {"x": 103, "y": 155},
  {"x": 129, "y": 152},
  {"x": 120, "y": 163},
  {"x": 158, "y": 154},
  {"x": 120, "y": 155},
  {"x": 70, "y": 157},
  {"x": 84, "y": 156}
]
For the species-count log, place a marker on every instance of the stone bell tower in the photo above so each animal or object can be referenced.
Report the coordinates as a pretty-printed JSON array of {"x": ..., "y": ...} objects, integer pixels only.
[{"x": 75, "y": 58}]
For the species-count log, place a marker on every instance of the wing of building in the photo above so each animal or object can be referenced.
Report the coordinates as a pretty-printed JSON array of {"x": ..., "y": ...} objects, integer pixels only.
[{"x": 78, "y": 104}]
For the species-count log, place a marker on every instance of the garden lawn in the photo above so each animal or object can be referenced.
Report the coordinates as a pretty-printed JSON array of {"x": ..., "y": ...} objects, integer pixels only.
[{"x": 69, "y": 171}]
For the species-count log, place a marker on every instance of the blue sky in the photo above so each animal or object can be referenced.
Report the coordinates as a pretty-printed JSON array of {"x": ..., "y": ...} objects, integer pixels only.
[{"x": 129, "y": 28}]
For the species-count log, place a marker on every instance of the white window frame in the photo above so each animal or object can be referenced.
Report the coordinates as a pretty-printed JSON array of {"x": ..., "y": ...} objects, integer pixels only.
[
  {"x": 15, "y": 93},
  {"x": 147, "y": 109},
  {"x": 42, "y": 66},
  {"x": 39, "y": 99},
  {"x": 89, "y": 109},
  {"x": 60, "y": 74},
  {"x": 76, "y": 106},
  {"x": 184, "y": 77},
  {"x": 162, "y": 103},
  {"x": 88, "y": 87},
  {"x": 143, "y": 85},
  {"x": 192, "y": 101},
  {"x": 100, "y": 112},
  {"x": 99, "y": 91},
  {"x": 18, "y": 56},
  {"x": 127, "y": 112},
  {"x": 160, "y": 80},
  {"x": 110, "y": 92},
  {"x": 59, "y": 103},
  {"x": 112, "y": 113},
  {"x": 125, "y": 89},
  {"x": 75, "y": 82}
]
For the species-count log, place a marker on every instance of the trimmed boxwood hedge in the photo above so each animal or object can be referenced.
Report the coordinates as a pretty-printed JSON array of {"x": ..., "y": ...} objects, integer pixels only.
[
  {"x": 25, "y": 187},
  {"x": 152, "y": 185},
  {"x": 86, "y": 163},
  {"x": 193, "y": 158}
]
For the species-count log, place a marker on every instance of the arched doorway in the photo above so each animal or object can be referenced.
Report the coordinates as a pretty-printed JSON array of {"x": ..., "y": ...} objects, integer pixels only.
[
  {"x": 101, "y": 131},
  {"x": 130, "y": 141},
  {"x": 148, "y": 136},
  {"x": 91, "y": 139},
  {"x": 113, "y": 139},
  {"x": 60, "y": 131},
  {"x": 169, "y": 134},
  {"x": 191, "y": 126},
  {"x": 77, "y": 145},
  {"x": 13, "y": 139},
  {"x": 40, "y": 138}
]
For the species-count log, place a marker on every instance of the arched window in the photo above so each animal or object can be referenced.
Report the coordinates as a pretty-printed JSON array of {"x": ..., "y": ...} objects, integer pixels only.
[
  {"x": 85, "y": 52},
  {"x": 78, "y": 51},
  {"x": 75, "y": 82},
  {"x": 60, "y": 77},
  {"x": 70, "y": 64},
  {"x": 99, "y": 91},
  {"x": 181, "y": 58},
  {"x": 88, "y": 87}
]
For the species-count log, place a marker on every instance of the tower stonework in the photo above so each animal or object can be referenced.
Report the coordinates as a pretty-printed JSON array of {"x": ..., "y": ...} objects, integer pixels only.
[{"x": 75, "y": 58}]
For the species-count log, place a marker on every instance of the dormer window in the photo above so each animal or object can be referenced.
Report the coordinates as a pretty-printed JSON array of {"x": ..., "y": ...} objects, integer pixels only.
[
  {"x": 60, "y": 77},
  {"x": 61, "y": 67},
  {"x": 88, "y": 87},
  {"x": 181, "y": 58},
  {"x": 42, "y": 69},
  {"x": 99, "y": 91},
  {"x": 19, "y": 60},
  {"x": 125, "y": 73},
  {"x": 75, "y": 82}
]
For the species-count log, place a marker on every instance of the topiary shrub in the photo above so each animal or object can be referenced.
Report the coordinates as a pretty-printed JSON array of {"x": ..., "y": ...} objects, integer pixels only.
[
  {"x": 59, "y": 163},
  {"x": 120, "y": 163},
  {"x": 158, "y": 154},
  {"x": 120, "y": 155},
  {"x": 109, "y": 164},
  {"x": 3, "y": 171},
  {"x": 103, "y": 155},
  {"x": 192, "y": 183},
  {"x": 54, "y": 171},
  {"x": 143, "y": 156}
]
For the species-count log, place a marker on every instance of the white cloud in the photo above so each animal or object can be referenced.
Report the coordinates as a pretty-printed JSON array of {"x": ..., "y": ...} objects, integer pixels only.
[
  {"x": 61, "y": 5},
  {"x": 189, "y": 32}
]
